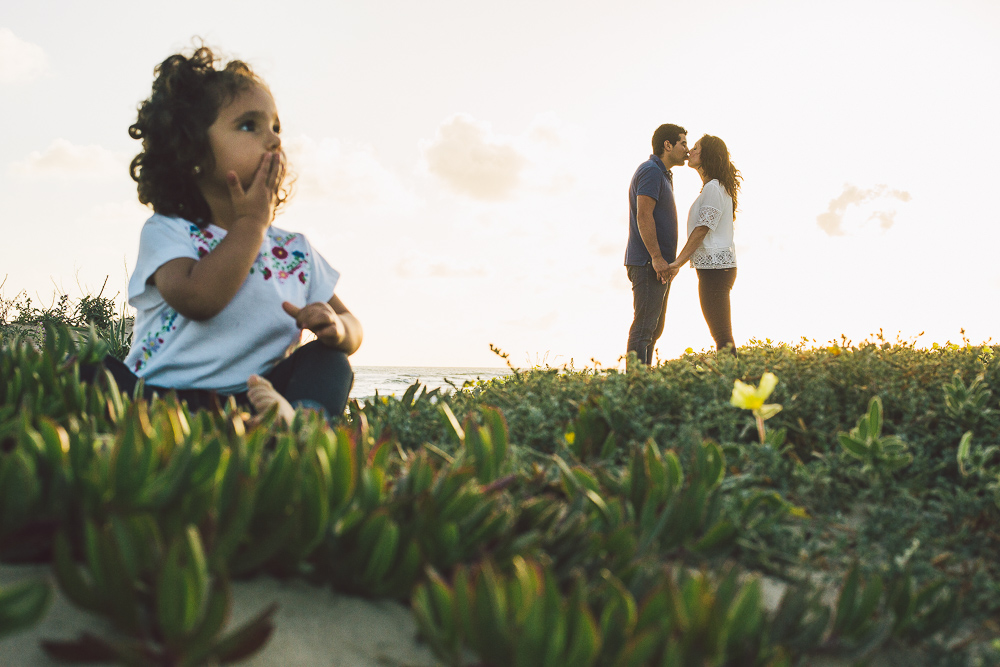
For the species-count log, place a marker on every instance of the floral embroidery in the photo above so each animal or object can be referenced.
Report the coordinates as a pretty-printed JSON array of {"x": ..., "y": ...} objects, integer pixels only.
[
  {"x": 153, "y": 341},
  {"x": 204, "y": 240},
  {"x": 280, "y": 263}
]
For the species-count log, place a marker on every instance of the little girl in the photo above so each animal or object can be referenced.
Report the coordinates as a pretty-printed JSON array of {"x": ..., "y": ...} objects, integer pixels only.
[{"x": 220, "y": 293}]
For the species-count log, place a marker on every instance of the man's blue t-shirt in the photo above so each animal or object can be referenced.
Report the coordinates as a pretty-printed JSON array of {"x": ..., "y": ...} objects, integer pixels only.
[{"x": 653, "y": 180}]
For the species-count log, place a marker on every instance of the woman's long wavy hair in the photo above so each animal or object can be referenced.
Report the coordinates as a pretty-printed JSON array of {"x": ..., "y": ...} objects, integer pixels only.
[
  {"x": 715, "y": 162},
  {"x": 173, "y": 123}
]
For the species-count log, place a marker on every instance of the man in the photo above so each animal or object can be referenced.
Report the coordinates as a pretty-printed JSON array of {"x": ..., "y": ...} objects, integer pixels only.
[{"x": 652, "y": 238}]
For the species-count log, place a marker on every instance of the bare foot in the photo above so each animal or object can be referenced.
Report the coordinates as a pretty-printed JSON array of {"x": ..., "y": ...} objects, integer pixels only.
[{"x": 263, "y": 396}]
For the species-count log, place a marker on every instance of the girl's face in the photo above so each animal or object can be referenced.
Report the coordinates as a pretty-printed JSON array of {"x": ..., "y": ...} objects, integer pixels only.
[
  {"x": 694, "y": 156},
  {"x": 244, "y": 131}
]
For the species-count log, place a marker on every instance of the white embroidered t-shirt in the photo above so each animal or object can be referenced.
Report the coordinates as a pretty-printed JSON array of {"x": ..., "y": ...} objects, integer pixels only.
[
  {"x": 248, "y": 336},
  {"x": 713, "y": 209}
]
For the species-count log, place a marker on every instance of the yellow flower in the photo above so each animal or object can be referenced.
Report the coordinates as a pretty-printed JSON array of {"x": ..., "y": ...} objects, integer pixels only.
[
  {"x": 748, "y": 397},
  {"x": 799, "y": 512},
  {"x": 689, "y": 350}
]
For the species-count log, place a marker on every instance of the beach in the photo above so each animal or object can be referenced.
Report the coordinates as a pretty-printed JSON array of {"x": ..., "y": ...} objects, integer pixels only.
[{"x": 390, "y": 380}]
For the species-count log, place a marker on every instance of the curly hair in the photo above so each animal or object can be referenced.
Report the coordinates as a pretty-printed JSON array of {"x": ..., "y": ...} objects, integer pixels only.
[
  {"x": 173, "y": 123},
  {"x": 715, "y": 162}
]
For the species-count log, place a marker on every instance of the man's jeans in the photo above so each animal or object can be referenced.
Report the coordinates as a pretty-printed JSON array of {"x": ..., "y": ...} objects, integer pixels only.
[{"x": 649, "y": 298}]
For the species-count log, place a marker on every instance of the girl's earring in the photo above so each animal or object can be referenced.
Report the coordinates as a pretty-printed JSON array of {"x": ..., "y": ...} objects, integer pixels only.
[{"x": 196, "y": 171}]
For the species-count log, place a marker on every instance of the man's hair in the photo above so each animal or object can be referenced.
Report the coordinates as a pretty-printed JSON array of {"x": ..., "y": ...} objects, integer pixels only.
[
  {"x": 668, "y": 132},
  {"x": 173, "y": 124}
]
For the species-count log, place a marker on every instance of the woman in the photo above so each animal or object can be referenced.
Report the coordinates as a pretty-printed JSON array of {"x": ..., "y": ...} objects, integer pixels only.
[{"x": 710, "y": 235}]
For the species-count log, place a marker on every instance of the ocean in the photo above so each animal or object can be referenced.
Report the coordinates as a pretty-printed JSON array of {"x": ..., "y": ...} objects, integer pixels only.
[{"x": 389, "y": 380}]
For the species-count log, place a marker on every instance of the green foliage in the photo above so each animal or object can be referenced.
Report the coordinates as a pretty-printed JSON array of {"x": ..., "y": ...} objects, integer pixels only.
[
  {"x": 20, "y": 318},
  {"x": 522, "y": 615},
  {"x": 422, "y": 509},
  {"x": 881, "y": 455},
  {"x": 591, "y": 435},
  {"x": 23, "y": 605},
  {"x": 968, "y": 405},
  {"x": 692, "y": 619},
  {"x": 521, "y": 620},
  {"x": 550, "y": 517},
  {"x": 160, "y": 595}
]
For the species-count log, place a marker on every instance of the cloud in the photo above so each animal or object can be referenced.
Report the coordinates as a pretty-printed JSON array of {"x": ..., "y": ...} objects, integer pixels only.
[
  {"x": 832, "y": 221},
  {"x": 63, "y": 159},
  {"x": 553, "y": 151},
  {"x": 472, "y": 161},
  {"x": 546, "y": 129},
  {"x": 344, "y": 173},
  {"x": 20, "y": 61},
  {"x": 885, "y": 218}
]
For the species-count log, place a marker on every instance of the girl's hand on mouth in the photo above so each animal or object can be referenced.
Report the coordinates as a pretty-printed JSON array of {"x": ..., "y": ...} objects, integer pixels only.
[{"x": 255, "y": 205}]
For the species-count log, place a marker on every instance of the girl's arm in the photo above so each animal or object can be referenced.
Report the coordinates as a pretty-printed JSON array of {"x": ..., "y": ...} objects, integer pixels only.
[
  {"x": 693, "y": 243},
  {"x": 200, "y": 288},
  {"x": 334, "y": 325}
]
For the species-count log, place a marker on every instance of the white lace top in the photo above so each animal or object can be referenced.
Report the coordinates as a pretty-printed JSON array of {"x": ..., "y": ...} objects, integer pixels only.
[{"x": 713, "y": 209}]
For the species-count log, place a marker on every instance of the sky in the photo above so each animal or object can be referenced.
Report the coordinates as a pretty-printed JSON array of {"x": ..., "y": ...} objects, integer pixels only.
[{"x": 465, "y": 165}]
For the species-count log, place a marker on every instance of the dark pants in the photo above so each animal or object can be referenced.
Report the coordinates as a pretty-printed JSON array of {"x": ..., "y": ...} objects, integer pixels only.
[
  {"x": 649, "y": 299},
  {"x": 314, "y": 376},
  {"x": 714, "y": 286}
]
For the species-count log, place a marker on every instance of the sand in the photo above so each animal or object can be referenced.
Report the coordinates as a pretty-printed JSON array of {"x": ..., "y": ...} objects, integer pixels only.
[{"x": 314, "y": 627}]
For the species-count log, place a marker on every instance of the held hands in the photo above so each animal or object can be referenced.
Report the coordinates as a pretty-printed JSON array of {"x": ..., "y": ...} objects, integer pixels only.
[
  {"x": 672, "y": 270},
  {"x": 664, "y": 270},
  {"x": 321, "y": 319},
  {"x": 256, "y": 204}
]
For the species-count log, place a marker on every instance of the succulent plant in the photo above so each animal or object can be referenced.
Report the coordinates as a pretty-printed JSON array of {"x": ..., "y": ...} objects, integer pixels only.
[
  {"x": 305, "y": 484},
  {"x": 519, "y": 619},
  {"x": 165, "y": 604},
  {"x": 521, "y": 546},
  {"x": 435, "y": 513},
  {"x": 46, "y": 380},
  {"x": 485, "y": 447},
  {"x": 691, "y": 618},
  {"x": 673, "y": 510},
  {"x": 23, "y": 605},
  {"x": 591, "y": 436}
]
